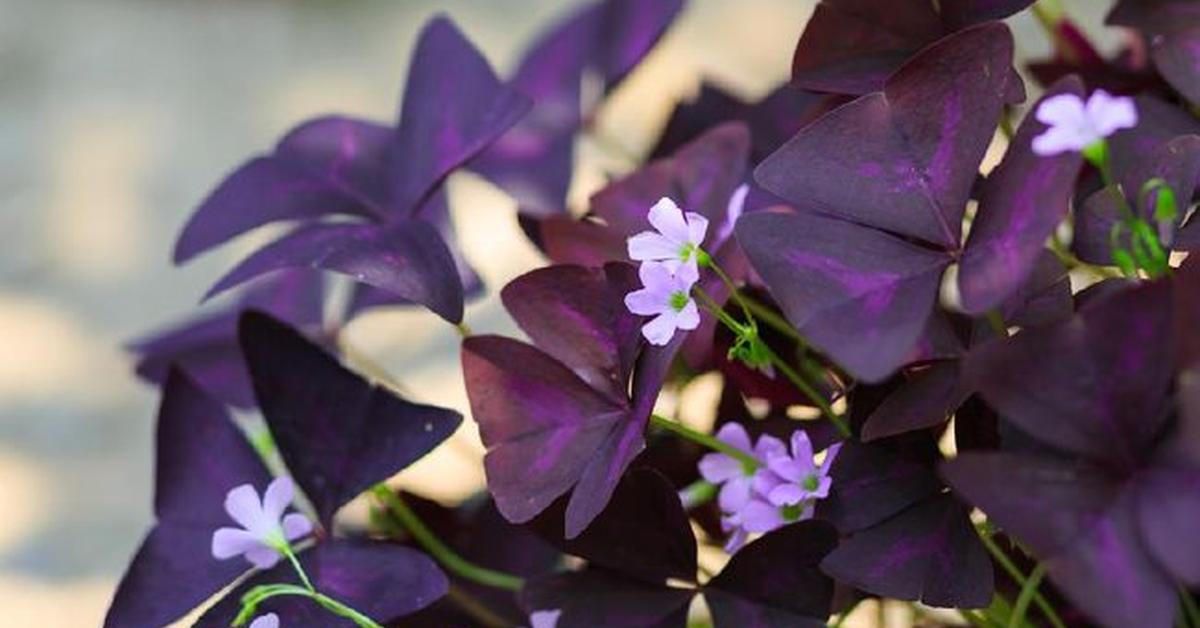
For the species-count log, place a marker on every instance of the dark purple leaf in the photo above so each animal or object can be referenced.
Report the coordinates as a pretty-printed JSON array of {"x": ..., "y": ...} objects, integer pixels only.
[
  {"x": 454, "y": 107},
  {"x": 1101, "y": 395},
  {"x": 928, "y": 552},
  {"x": 959, "y": 13},
  {"x": 382, "y": 581},
  {"x": 926, "y": 400},
  {"x": 407, "y": 258},
  {"x": 1081, "y": 521},
  {"x": 533, "y": 161},
  {"x": 337, "y": 433},
  {"x": 1022, "y": 202},
  {"x": 907, "y": 157},
  {"x": 548, "y": 429},
  {"x": 759, "y": 588},
  {"x": 598, "y": 338},
  {"x": 595, "y": 597},
  {"x": 859, "y": 295},
  {"x": 206, "y": 347},
  {"x": 852, "y": 46},
  {"x": 872, "y": 483},
  {"x": 201, "y": 456},
  {"x": 330, "y": 165},
  {"x": 1172, "y": 28},
  {"x": 642, "y": 533},
  {"x": 772, "y": 120},
  {"x": 1168, "y": 507}
]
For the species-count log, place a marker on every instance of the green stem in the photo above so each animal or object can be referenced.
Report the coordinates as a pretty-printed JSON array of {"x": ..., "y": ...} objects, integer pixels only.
[
  {"x": 733, "y": 289},
  {"x": 1021, "y": 606},
  {"x": 440, "y": 551},
  {"x": 1014, "y": 572},
  {"x": 1068, "y": 259},
  {"x": 810, "y": 392},
  {"x": 793, "y": 376},
  {"x": 773, "y": 320},
  {"x": 748, "y": 460},
  {"x": 291, "y": 556},
  {"x": 697, "y": 493},
  {"x": 257, "y": 596},
  {"x": 463, "y": 330}
]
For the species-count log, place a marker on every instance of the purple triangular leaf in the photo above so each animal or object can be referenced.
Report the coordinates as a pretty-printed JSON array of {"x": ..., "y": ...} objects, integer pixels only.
[
  {"x": 1168, "y": 507},
  {"x": 405, "y": 257},
  {"x": 533, "y": 161},
  {"x": 206, "y": 347},
  {"x": 859, "y": 295},
  {"x": 337, "y": 433},
  {"x": 959, "y": 13},
  {"x": 382, "y": 581},
  {"x": 598, "y": 338},
  {"x": 926, "y": 400},
  {"x": 1022, "y": 202},
  {"x": 540, "y": 422},
  {"x": 874, "y": 482},
  {"x": 324, "y": 166},
  {"x": 758, "y": 589},
  {"x": 201, "y": 456},
  {"x": 594, "y": 597},
  {"x": 908, "y": 156},
  {"x": 1170, "y": 27},
  {"x": 642, "y": 533},
  {"x": 929, "y": 552},
  {"x": 454, "y": 107},
  {"x": 1080, "y": 520},
  {"x": 1093, "y": 385}
]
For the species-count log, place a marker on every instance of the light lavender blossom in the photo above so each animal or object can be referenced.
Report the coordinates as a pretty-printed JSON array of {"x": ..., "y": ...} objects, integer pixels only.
[
  {"x": 1076, "y": 125},
  {"x": 676, "y": 240},
  {"x": 544, "y": 618},
  {"x": 794, "y": 479},
  {"x": 265, "y": 533},
  {"x": 270, "y": 620},
  {"x": 667, "y": 296}
]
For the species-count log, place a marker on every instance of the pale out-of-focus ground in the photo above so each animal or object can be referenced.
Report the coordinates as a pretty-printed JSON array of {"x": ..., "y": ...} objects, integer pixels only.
[{"x": 116, "y": 116}]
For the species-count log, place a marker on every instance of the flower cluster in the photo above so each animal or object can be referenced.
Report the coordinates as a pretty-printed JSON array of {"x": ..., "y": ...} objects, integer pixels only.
[
  {"x": 772, "y": 488},
  {"x": 670, "y": 257}
]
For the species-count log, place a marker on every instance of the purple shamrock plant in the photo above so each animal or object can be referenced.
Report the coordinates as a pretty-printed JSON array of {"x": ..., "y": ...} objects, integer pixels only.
[{"x": 955, "y": 353}]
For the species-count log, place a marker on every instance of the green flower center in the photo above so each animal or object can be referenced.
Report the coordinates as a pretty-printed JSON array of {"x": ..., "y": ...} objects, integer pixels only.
[
  {"x": 679, "y": 300},
  {"x": 811, "y": 483}
]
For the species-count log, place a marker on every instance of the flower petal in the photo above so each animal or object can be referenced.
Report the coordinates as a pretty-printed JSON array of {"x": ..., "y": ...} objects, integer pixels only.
[
  {"x": 735, "y": 435},
  {"x": 802, "y": 447},
  {"x": 230, "y": 542},
  {"x": 1061, "y": 139},
  {"x": 270, "y": 620},
  {"x": 760, "y": 516},
  {"x": 688, "y": 318},
  {"x": 718, "y": 468},
  {"x": 262, "y": 556},
  {"x": 296, "y": 526},
  {"x": 646, "y": 302},
  {"x": 1109, "y": 113},
  {"x": 667, "y": 218},
  {"x": 276, "y": 499},
  {"x": 786, "y": 495},
  {"x": 649, "y": 245},
  {"x": 242, "y": 504},
  {"x": 1062, "y": 110},
  {"x": 697, "y": 227},
  {"x": 734, "y": 495},
  {"x": 660, "y": 330}
]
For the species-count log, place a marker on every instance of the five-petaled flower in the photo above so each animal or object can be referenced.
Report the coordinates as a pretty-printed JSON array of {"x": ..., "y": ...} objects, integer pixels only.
[
  {"x": 781, "y": 489},
  {"x": 1075, "y": 125},
  {"x": 667, "y": 296},
  {"x": 792, "y": 480},
  {"x": 676, "y": 240},
  {"x": 270, "y": 620},
  {"x": 265, "y": 533}
]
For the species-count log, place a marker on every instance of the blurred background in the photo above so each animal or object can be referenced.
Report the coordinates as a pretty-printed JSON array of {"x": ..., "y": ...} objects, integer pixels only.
[{"x": 117, "y": 116}]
